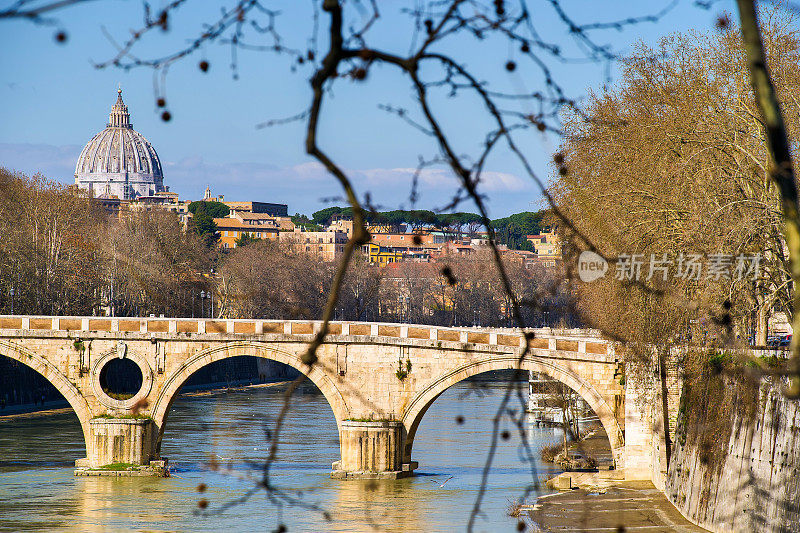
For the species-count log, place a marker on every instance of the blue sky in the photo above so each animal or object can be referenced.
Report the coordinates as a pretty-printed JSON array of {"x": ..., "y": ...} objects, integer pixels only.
[{"x": 54, "y": 100}]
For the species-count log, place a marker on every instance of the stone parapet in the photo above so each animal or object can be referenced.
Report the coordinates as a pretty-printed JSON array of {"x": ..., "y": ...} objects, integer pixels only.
[{"x": 566, "y": 340}]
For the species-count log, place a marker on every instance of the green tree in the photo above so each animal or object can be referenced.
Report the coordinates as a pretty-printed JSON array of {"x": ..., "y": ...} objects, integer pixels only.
[
  {"x": 306, "y": 223},
  {"x": 204, "y": 226},
  {"x": 323, "y": 216},
  {"x": 514, "y": 229},
  {"x": 420, "y": 218},
  {"x": 212, "y": 209}
]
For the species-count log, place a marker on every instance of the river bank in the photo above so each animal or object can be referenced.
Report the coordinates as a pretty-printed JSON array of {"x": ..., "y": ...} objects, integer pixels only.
[
  {"x": 603, "y": 500},
  {"x": 623, "y": 506}
]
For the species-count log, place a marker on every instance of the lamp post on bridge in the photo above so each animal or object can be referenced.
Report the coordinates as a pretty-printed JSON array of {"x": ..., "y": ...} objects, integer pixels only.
[
  {"x": 11, "y": 292},
  {"x": 206, "y": 296},
  {"x": 403, "y": 302}
]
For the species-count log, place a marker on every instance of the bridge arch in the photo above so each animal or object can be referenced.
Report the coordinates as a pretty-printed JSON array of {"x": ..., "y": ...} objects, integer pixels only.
[
  {"x": 425, "y": 398},
  {"x": 172, "y": 384},
  {"x": 53, "y": 375}
]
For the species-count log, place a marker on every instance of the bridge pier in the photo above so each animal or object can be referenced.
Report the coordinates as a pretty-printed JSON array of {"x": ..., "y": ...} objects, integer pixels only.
[
  {"x": 372, "y": 450},
  {"x": 121, "y": 441}
]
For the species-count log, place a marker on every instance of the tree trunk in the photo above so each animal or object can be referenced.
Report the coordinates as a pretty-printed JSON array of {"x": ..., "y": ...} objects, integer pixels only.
[
  {"x": 781, "y": 171},
  {"x": 761, "y": 326}
]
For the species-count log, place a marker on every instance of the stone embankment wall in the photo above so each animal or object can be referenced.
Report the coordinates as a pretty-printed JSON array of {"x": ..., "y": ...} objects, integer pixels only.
[{"x": 757, "y": 487}]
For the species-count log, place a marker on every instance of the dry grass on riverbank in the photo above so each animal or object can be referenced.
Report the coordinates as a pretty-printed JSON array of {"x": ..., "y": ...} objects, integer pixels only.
[
  {"x": 590, "y": 452},
  {"x": 548, "y": 453},
  {"x": 515, "y": 509}
]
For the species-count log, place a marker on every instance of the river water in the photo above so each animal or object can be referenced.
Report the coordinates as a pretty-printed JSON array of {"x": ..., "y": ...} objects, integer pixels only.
[{"x": 39, "y": 492}]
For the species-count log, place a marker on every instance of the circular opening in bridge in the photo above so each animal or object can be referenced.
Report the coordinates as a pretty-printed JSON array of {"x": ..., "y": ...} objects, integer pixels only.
[{"x": 121, "y": 379}]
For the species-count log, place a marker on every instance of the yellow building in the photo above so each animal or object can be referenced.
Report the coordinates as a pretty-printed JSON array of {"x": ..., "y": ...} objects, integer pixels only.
[
  {"x": 230, "y": 229},
  {"x": 263, "y": 219},
  {"x": 546, "y": 244},
  {"x": 328, "y": 245},
  {"x": 396, "y": 247},
  {"x": 381, "y": 255}
]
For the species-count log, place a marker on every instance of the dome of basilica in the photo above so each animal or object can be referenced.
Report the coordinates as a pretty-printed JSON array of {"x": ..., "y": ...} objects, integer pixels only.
[{"x": 119, "y": 161}]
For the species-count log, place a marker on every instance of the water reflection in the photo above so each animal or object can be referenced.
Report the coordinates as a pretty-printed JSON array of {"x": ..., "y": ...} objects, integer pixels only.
[{"x": 39, "y": 492}]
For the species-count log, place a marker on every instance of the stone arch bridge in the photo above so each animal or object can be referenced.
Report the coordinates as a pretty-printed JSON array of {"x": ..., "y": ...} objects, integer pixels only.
[{"x": 377, "y": 413}]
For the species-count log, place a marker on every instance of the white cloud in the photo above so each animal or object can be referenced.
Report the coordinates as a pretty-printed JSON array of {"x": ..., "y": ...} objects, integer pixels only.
[
  {"x": 444, "y": 178},
  {"x": 311, "y": 169},
  {"x": 55, "y": 162},
  {"x": 503, "y": 181}
]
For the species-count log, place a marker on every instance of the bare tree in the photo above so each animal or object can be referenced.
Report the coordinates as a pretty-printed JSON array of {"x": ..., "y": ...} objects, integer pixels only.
[
  {"x": 153, "y": 266},
  {"x": 267, "y": 279},
  {"x": 50, "y": 251}
]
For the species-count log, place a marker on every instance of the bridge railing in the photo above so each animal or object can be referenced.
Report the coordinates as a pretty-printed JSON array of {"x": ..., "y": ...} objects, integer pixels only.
[{"x": 572, "y": 340}]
